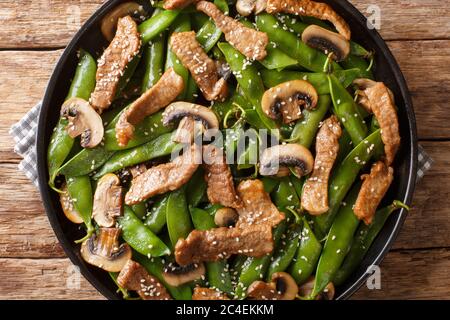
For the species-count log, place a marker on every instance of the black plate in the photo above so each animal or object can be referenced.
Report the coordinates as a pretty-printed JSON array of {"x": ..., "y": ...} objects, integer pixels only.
[{"x": 387, "y": 70}]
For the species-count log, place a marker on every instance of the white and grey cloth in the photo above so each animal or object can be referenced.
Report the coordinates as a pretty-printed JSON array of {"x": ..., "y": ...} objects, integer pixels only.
[{"x": 24, "y": 133}]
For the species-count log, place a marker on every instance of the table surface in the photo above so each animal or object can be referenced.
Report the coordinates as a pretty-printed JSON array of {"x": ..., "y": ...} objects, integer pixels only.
[{"x": 33, "y": 35}]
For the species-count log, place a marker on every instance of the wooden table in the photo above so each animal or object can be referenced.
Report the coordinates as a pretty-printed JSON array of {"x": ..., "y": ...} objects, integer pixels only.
[{"x": 32, "y": 37}]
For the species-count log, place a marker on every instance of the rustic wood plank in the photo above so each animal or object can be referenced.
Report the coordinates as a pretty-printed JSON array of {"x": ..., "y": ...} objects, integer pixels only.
[
  {"x": 52, "y": 23},
  {"x": 412, "y": 275}
]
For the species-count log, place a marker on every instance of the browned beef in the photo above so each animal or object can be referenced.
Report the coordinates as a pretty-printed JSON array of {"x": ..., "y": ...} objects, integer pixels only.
[
  {"x": 259, "y": 290},
  {"x": 208, "y": 294},
  {"x": 177, "y": 4}
]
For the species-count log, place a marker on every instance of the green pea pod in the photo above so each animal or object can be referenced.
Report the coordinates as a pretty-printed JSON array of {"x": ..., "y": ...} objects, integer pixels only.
[
  {"x": 155, "y": 267},
  {"x": 149, "y": 129},
  {"x": 347, "y": 111},
  {"x": 277, "y": 59},
  {"x": 270, "y": 184},
  {"x": 248, "y": 158},
  {"x": 306, "y": 129},
  {"x": 298, "y": 185},
  {"x": 156, "y": 220},
  {"x": 177, "y": 215},
  {"x": 153, "y": 62},
  {"x": 112, "y": 123},
  {"x": 140, "y": 210},
  {"x": 249, "y": 80},
  {"x": 360, "y": 63},
  {"x": 343, "y": 178},
  {"x": 364, "y": 237},
  {"x": 286, "y": 252},
  {"x": 285, "y": 196},
  {"x": 61, "y": 143},
  {"x": 86, "y": 161},
  {"x": 196, "y": 188},
  {"x": 338, "y": 243},
  {"x": 153, "y": 27},
  {"x": 127, "y": 76},
  {"x": 217, "y": 272},
  {"x": 288, "y": 42},
  {"x": 307, "y": 255},
  {"x": 209, "y": 34},
  {"x": 272, "y": 78},
  {"x": 139, "y": 237},
  {"x": 80, "y": 190},
  {"x": 374, "y": 126},
  {"x": 345, "y": 146},
  {"x": 191, "y": 90},
  {"x": 161, "y": 146}
]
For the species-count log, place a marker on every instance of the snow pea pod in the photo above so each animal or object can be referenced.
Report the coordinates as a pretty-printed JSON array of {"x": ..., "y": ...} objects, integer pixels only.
[
  {"x": 80, "y": 191},
  {"x": 140, "y": 210},
  {"x": 196, "y": 188},
  {"x": 345, "y": 146},
  {"x": 153, "y": 62},
  {"x": 307, "y": 255},
  {"x": 249, "y": 80},
  {"x": 288, "y": 42},
  {"x": 177, "y": 216},
  {"x": 360, "y": 63},
  {"x": 155, "y": 267},
  {"x": 272, "y": 78},
  {"x": 156, "y": 220},
  {"x": 347, "y": 111},
  {"x": 343, "y": 178},
  {"x": 209, "y": 34},
  {"x": 298, "y": 185},
  {"x": 249, "y": 157},
  {"x": 61, "y": 143},
  {"x": 217, "y": 272},
  {"x": 338, "y": 242},
  {"x": 127, "y": 77},
  {"x": 86, "y": 161},
  {"x": 139, "y": 237},
  {"x": 161, "y": 146},
  {"x": 305, "y": 130},
  {"x": 153, "y": 26},
  {"x": 364, "y": 237},
  {"x": 286, "y": 252},
  {"x": 269, "y": 184},
  {"x": 285, "y": 196}
]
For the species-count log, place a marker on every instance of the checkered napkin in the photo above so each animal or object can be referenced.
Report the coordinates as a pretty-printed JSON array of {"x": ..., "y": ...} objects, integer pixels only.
[{"x": 24, "y": 133}]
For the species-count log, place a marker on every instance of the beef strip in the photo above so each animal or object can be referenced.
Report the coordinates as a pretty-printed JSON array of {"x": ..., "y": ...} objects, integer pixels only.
[
  {"x": 219, "y": 179},
  {"x": 252, "y": 235},
  {"x": 134, "y": 277},
  {"x": 177, "y": 4},
  {"x": 259, "y": 290},
  {"x": 208, "y": 294},
  {"x": 165, "y": 177},
  {"x": 373, "y": 189},
  {"x": 310, "y": 8},
  {"x": 377, "y": 98},
  {"x": 154, "y": 99},
  {"x": 111, "y": 66},
  {"x": 251, "y": 43},
  {"x": 202, "y": 68},
  {"x": 315, "y": 192}
]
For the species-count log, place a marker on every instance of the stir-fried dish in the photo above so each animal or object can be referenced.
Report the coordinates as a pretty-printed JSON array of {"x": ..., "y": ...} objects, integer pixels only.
[{"x": 220, "y": 151}]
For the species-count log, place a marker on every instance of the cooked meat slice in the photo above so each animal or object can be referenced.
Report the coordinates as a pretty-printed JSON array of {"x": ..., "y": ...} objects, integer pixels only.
[
  {"x": 310, "y": 8},
  {"x": 203, "y": 69},
  {"x": 373, "y": 189},
  {"x": 251, "y": 43},
  {"x": 111, "y": 66},
  {"x": 315, "y": 191},
  {"x": 134, "y": 277},
  {"x": 282, "y": 287},
  {"x": 186, "y": 130},
  {"x": 154, "y": 99},
  {"x": 220, "y": 243},
  {"x": 258, "y": 208},
  {"x": 219, "y": 179},
  {"x": 177, "y": 4},
  {"x": 377, "y": 98},
  {"x": 165, "y": 177},
  {"x": 208, "y": 294}
]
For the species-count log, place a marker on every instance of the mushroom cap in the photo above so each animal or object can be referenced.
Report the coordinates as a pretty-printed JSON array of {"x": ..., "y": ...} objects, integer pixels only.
[
  {"x": 179, "y": 110},
  {"x": 103, "y": 251},
  {"x": 68, "y": 207},
  {"x": 84, "y": 121},
  {"x": 285, "y": 285},
  {"x": 107, "y": 200},
  {"x": 176, "y": 275},
  {"x": 108, "y": 24},
  {"x": 287, "y": 155},
  {"x": 226, "y": 217},
  {"x": 247, "y": 7},
  {"x": 288, "y": 98},
  {"x": 326, "y": 41}
]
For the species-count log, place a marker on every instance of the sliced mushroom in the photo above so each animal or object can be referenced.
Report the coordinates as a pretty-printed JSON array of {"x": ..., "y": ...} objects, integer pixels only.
[
  {"x": 107, "y": 201},
  {"x": 108, "y": 24},
  {"x": 103, "y": 250},
  {"x": 68, "y": 207},
  {"x": 282, "y": 287},
  {"x": 84, "y": 121},
  {"x": 306, "y": 289},
  {"x": 247, "y": 7},
  {"x": 226, "y": 217},
  {"x": 287, "y": 99},
  {"x": 176, "y": 275},
  {"x": 327, "y": 41},
  {"x": 291, "y": 155}
]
